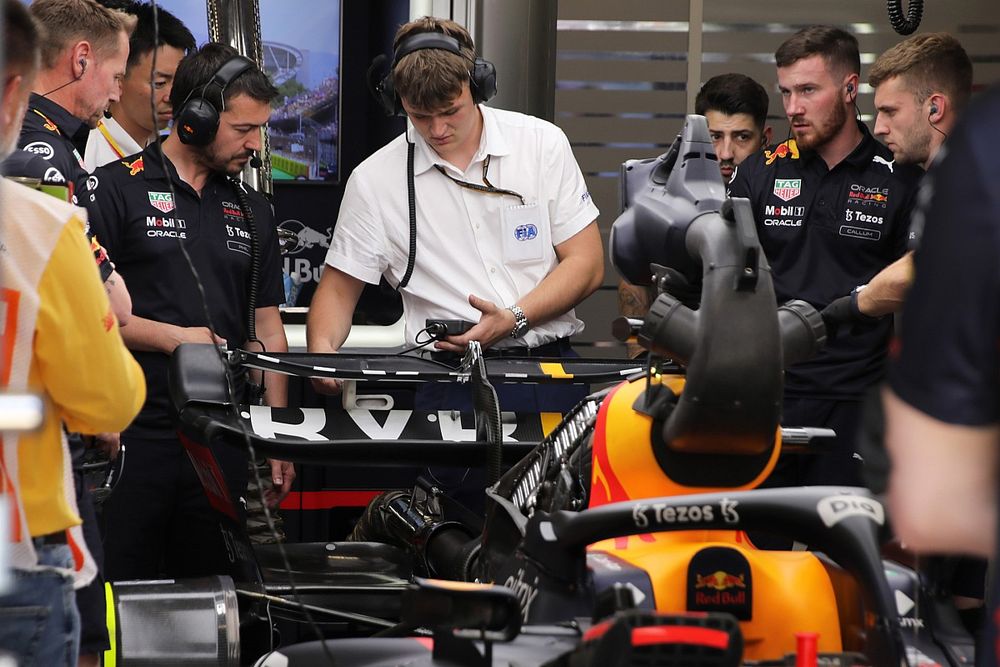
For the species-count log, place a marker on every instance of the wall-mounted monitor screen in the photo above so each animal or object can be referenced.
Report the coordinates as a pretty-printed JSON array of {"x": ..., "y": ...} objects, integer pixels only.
[{"x": 301, "y": 47}]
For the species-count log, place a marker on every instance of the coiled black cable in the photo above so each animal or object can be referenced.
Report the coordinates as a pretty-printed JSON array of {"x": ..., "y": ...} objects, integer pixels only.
[
  {"x": 411, "y": 200},
  {"x": 254, "y": 278},
  {"x": 908, "y": 23}
]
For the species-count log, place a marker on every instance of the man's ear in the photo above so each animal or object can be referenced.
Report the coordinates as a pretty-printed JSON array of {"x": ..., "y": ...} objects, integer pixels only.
[
  {"x": 82, "y": 51},
  {"x": 765, "y": 137},
  {"x": 937, "y": 105},
  {"x": 851, "y": 88}
]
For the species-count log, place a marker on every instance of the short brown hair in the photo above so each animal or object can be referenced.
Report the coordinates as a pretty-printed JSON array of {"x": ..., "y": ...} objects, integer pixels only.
[
  {"x": 838, "y": 48},
  {"x": 927, "y": 64},
  {"x": 22, "y": 37},
  {"x": 69, "y": 21},
  {"x": 431, "y": 78}
]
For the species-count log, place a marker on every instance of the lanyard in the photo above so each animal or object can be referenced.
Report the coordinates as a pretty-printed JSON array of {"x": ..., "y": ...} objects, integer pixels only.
[
  {"x": 111, "y": 140},
  {"x": 488, "y": 188}
]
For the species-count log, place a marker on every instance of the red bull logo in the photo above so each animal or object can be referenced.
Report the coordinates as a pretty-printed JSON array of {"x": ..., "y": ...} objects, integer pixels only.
[
  {"x": 305, "y": 237},
  {"x": 719, "y": 581},
  {"x": 787, "y": 149},
  {"x": 719, "y": 590},
  {"x": 134, "y": 167}
]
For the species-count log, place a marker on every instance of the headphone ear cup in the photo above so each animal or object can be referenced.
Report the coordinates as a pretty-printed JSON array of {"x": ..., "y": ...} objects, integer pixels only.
[
  {"x": 388, "y": 97},
  {"x": 484, "y": 80},
  {"x": 381, "y": 87},
  {"x": 197, "y": 122}
]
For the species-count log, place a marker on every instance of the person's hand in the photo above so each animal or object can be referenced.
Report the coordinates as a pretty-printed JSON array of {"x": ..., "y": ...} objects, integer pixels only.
[
  {"x": 327, "y": 386},
  {"x": 282, "y": 476},
  {"x": 495, "y": 323},
  {"x": 196, "y": 335},
  {"x": 108, "y": 444},
  {"x": 844, "y": 312}
]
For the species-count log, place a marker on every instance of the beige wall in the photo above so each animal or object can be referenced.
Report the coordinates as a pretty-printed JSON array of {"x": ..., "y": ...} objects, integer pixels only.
[{"x": 622, "y": 79}]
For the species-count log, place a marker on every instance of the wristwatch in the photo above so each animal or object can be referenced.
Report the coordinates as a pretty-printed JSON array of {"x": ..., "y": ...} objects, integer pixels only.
[{"x": 521, "y": 325}]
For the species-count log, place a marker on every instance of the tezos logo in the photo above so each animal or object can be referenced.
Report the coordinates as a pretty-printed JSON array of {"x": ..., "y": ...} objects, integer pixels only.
[
  {"x": 41, "y": 149},
  {"x": 525, "y": 232}
]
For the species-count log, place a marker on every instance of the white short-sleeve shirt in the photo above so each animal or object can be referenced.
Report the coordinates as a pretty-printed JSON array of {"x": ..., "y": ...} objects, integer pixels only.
[
  {"x": 461, "y": 245},
  {"x": 108, "y": 142}
]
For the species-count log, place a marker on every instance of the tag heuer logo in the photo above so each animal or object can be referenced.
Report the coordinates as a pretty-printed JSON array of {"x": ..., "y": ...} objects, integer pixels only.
[
  {"x": 786, "y": 189},
  {"x": 164, "y": 201}
]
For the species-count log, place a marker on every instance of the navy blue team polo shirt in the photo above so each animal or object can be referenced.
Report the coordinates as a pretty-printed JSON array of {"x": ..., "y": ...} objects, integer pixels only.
[
  {"x": 142, "y": 225},
  {"x": 57, "y": 136},
  {"x": 825, "y": 232}
]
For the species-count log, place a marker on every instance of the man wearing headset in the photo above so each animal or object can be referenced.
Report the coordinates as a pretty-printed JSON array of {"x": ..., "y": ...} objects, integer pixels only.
[
  {"x": 832, "y": 210},
  {"x": 157, "y": 520},
  {"x": 921, "y": 85},
  {"x": 506, "y": 233}
]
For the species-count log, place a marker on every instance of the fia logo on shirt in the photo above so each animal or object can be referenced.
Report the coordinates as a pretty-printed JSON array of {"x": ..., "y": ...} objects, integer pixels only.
[{"x": 525, "y": 232}]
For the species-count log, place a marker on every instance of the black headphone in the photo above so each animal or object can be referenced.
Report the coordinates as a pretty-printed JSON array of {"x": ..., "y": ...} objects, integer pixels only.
[
  {"x": 934, "y": 109},
  {"x": 482, "y": 75},
  {"x": 197, "y": 120}
]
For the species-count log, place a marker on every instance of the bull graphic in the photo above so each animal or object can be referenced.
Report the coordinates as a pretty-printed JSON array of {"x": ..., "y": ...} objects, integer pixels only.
[
  {"x": 719, "y": 581},
  {"x": 309, "y": 237}
]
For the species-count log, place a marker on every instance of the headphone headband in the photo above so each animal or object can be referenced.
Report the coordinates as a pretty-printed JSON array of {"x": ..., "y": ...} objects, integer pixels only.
[
  {"x": 231, "y": 69},
  {"x": 482, "y": 73},
  {"x": 198, "y": 120},
  {"x": 426, "y": 40}
]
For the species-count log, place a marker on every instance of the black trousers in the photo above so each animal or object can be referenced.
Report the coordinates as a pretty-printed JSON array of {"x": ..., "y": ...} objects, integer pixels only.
[
  {"x": 834, "y": 462},
  {"x": 157, "y": 521},
  {"x": 90, "y": 600}
]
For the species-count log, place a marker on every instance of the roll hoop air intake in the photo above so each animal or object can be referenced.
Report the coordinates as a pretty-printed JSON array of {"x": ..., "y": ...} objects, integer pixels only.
[{"x": 736, "y": 344}]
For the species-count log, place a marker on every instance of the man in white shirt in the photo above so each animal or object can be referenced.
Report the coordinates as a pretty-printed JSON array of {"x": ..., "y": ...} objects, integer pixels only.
[
  {"x": 506, "y": 232},
  {"x": 130, "y": 126}
]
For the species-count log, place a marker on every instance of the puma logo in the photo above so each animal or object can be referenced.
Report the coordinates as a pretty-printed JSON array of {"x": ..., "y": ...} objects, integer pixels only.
[{"x": 881, "y": 160}]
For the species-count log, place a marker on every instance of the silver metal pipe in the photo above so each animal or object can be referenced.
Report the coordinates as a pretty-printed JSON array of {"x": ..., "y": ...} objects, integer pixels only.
[{"x": 237, "y": 23}]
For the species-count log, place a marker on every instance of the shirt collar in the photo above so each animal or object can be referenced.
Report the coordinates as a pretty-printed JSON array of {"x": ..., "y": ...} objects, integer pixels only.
[
  {"x": 69, "y": 125},
  {"x": 864, "y": 152},
  {"x": 493, "y": 143}
]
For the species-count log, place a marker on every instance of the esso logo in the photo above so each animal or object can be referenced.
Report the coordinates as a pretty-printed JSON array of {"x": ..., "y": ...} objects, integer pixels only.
[{"x": 41, "y": 149}]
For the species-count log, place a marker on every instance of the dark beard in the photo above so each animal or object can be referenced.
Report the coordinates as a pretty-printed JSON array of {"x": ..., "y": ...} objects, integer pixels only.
[
  {"x": 218, "y": 163},
  {"x": 824, "y": 132}
]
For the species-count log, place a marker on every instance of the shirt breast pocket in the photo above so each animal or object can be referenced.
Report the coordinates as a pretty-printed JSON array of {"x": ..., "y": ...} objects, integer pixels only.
[{"x": 525, "y": 233}]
